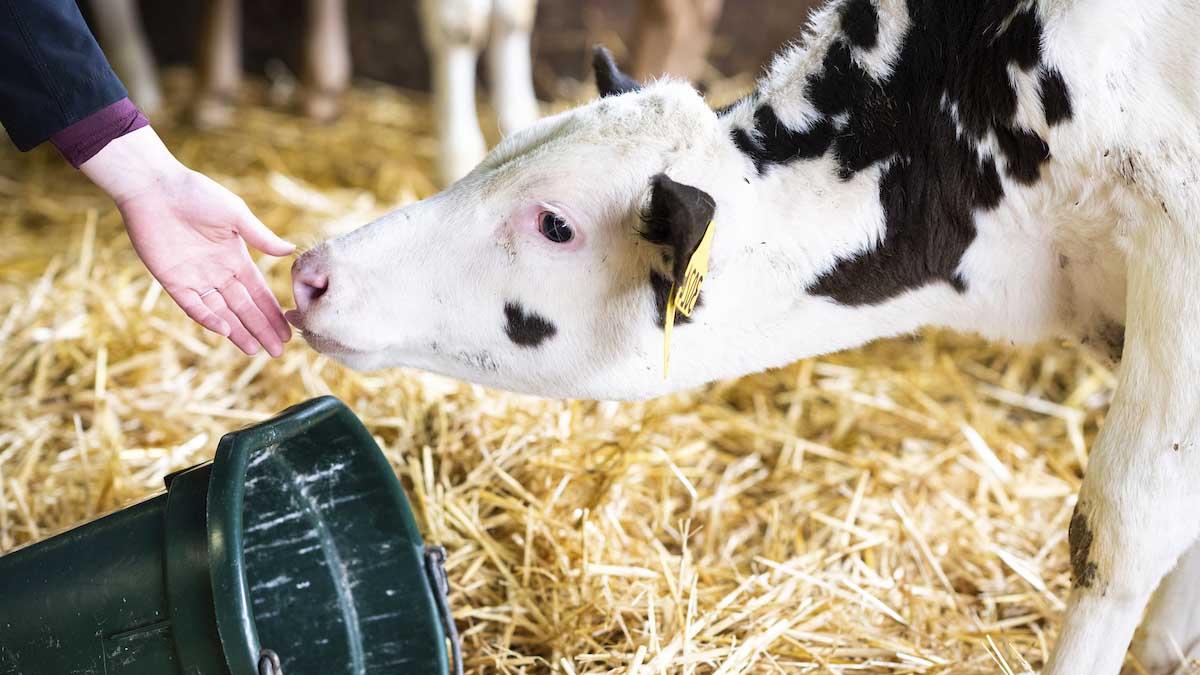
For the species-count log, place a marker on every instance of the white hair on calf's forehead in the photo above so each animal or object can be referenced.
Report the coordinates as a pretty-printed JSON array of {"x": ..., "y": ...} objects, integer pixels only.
[{"x": 665, "y": 115}]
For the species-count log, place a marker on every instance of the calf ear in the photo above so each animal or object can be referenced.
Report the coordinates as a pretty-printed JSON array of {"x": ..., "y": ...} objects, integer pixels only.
[
  {"x": 678, "y": 216},
  {"x": 609, "y": 78}
]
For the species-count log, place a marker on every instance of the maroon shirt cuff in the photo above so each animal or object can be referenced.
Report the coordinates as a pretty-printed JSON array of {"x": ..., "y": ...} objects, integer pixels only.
[{"x": 82, "y": 140}]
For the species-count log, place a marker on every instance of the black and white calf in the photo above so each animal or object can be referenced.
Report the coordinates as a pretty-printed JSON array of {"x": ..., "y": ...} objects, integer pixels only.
[{"x": 1020, "y": 169}]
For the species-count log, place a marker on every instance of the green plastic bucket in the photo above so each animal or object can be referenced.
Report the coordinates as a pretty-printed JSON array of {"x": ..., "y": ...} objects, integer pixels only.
[{"x": 294, "y": 551}]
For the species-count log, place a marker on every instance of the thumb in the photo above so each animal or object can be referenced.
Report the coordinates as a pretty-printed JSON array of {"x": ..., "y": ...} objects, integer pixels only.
[{"x": 261, "y": 237}]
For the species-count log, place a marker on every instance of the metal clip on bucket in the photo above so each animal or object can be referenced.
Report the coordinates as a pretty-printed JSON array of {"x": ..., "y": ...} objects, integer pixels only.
[{"x": 294, "y": 551}]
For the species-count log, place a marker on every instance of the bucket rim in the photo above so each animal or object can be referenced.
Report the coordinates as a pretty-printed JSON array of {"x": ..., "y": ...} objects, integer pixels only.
[{"x": 226, "y": 492}]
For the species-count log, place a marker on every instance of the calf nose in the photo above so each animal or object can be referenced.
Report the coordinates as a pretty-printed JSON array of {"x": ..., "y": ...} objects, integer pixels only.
[{"x": 310, "y": 280}]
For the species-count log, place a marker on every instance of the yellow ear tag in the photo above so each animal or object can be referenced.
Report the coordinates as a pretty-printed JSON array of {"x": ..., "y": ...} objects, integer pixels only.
[{"x": 684, "y": 299}]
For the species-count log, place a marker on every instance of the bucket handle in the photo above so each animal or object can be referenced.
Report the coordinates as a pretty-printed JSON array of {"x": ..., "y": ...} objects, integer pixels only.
[
  {"x": 435, "y": 569},
  {"x": 268, "y": 663}
]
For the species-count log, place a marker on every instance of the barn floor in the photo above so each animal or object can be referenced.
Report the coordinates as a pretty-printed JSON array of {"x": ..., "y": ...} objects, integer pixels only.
[{"x": 897, "y": 509}]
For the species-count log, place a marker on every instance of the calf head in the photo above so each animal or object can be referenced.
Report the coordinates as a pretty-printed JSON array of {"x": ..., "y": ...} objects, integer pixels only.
[{"x": 547, "y": 269}]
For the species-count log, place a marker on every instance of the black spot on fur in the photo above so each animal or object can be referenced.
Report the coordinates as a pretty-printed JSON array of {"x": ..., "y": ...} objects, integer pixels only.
[
  {"x": 987, "y": 191},
  {"x": 774, "y": 143},
  {"x": 1079, "y": 540},
  {"x": 841, "y": 84},
  {"x": 1108, "y": 338},
  {"x": 661, "y": 285},
  {"x": 1056, "y": 101},
  {"x": 949, "y": 89},
  {"x": 526, "y": 328},
  {"x": 1025, "y": 152},
  {"x": 860, "y": 23},
  {"x": 915, "y": 250}
]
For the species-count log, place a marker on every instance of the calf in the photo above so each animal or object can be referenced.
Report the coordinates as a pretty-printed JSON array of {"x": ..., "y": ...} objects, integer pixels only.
[
  {"x": 1020, "y": 169},
  {"x": 326, "y": 57},
  {"x": 672, "y": 36},
  {"x": 454, "y": 31}
]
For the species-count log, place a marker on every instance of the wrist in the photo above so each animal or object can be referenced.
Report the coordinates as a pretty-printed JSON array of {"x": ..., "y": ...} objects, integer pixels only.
[{"x": 131, "y": 165}]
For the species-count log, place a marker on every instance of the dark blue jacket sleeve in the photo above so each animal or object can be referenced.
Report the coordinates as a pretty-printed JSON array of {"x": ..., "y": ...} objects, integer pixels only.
[{"x": 52, "y": 72}]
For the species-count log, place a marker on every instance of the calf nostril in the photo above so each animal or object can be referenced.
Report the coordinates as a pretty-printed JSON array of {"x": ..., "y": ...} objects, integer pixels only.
[
  {"x": 316, "y": 286},
  {"x": 308, "y": 284}
]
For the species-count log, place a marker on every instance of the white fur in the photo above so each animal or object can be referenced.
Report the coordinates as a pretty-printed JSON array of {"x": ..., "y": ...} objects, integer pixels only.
[
  {"x": 1108, "y": 235},
  {"x": 1168, "y": 640}
]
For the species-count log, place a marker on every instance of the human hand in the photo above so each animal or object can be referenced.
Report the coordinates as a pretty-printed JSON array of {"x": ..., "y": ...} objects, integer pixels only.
[{"x": 191, "y": 233}]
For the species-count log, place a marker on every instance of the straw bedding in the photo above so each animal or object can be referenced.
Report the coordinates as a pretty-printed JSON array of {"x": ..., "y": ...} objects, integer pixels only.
[{"x": 899, "y": 508}]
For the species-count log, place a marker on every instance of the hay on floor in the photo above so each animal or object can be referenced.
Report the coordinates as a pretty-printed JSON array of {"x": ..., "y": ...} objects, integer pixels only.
[{"x": 901, "y": 508}]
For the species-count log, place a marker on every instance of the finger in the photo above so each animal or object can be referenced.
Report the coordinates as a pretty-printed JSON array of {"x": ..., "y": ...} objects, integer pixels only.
[
  {"x": 261, "y": 237},
  {"x": 252, "y": 278},
  {"x": 191, "y": 303},
  {"x": 238, "y": 334},
  {"x": 251, "y": 316}
]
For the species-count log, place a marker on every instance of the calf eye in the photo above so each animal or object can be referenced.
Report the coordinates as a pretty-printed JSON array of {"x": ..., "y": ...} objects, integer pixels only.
[{"x": 555, "y": 228}]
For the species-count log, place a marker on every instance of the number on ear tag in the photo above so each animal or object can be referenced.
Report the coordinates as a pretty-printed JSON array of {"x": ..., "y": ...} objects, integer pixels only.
[
  {"x": 683, "y": 299},
  {"x": 693, "y": 275}
]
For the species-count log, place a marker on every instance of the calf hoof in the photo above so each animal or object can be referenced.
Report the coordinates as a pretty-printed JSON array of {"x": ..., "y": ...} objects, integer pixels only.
[
  {"x": 213, "y": 111},
  {"x": 322, "y": 106}
]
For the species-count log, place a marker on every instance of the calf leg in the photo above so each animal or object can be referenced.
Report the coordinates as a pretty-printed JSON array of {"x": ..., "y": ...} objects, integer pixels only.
[
  {"x": 1137, "y": 509},
  {"x": 509, "y": 64},
  {"x": 673, "y": 37},
  {"x": 119, "y": 25},
  {"x": 220, "y": 63},
  {"x": 326, "y": 58},
  {"x": 454, "y": 32},
  {"x": 1169, "y": 639}
]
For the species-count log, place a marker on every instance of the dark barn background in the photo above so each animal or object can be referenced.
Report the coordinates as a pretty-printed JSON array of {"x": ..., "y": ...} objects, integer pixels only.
[{"x": 387, "y": 47}]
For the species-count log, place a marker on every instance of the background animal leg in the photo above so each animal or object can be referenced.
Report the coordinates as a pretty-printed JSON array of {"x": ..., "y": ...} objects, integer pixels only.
[
  {"x": 119, "y": 24},
  {"x": 327, "y": 63},
  {"x": 454, "y": 33},
  {"x": 220, "y": 63},
  {"x": 510, "y": 66}
]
